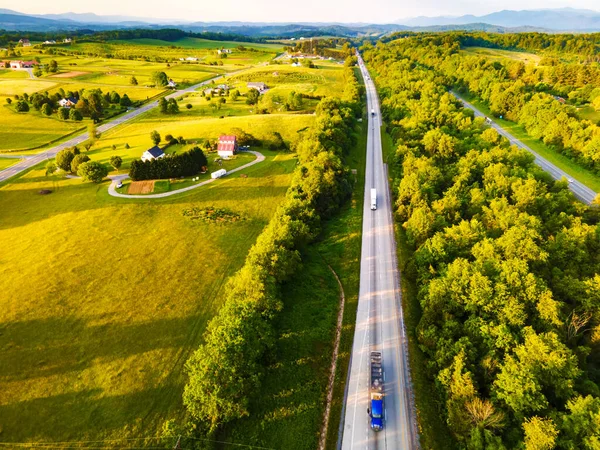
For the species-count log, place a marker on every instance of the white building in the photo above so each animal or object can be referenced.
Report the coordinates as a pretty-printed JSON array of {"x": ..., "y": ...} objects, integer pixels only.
[{"x": 154, "y": 153}]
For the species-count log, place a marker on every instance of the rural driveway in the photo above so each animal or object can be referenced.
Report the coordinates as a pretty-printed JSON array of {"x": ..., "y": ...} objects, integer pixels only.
[
  {"x": 580, "y": 190},
  {"x": 112, "y": 188},
  {"x": 51, "y": 153}
]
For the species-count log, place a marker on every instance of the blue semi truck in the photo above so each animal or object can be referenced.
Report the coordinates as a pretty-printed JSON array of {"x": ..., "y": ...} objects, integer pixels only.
[{"x": 376, "y": 414}]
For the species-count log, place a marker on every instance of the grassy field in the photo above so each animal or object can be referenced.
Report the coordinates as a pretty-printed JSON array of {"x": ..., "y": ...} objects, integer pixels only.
[
  {"x": 76, "y": 73},
  {"x": 10, "y": 86},
  {"x": 204, "y": 50},
  {"x": 20, "y": 131},
  {"x": 589, "y": 113},
  {"x": 193, "y": 129},
  {"x": 104, "y": 299},
  {"x": 326, "y": 79},
  {"x": 7, "y": 162},
  {"x": 497, "y": 54},
  {"x": 561, "y": 161}
]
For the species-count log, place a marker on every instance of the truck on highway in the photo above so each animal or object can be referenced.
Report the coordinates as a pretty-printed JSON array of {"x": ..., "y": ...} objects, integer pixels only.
[
  {"x": 372, "y": 111},
  {"x": 373, "y": 199},
  {"x": 376, "y": 392}
]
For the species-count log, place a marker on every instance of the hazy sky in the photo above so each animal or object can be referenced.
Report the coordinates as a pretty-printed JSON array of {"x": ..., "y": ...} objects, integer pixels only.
[{"x": 376, "y": 11}]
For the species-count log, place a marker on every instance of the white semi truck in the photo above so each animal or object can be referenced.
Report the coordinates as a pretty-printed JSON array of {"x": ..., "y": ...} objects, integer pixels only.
[{"x": 373, "y": 199}]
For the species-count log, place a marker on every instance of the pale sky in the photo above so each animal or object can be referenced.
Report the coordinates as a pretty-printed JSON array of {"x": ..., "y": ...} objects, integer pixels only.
[{"x": 374, "y": 11}]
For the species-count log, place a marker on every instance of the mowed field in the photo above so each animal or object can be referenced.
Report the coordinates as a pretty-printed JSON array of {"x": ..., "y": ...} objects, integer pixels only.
[
  {"x": 22, "y": 131},
  {"x": 325, "y": 80},
  {"x": 104, "y": 299},
  {"x": 195, "y": 126},
  {"x": 78, "y": 72},
  {"x": 203, "y": 49},
  {"x": 7, "y": 162},
  {"x": 498, "y": 54}
]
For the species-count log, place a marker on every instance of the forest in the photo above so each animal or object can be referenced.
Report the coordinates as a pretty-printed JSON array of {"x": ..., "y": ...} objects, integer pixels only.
[
  {"x": 542, "y": 98},
  {"x": 506, "y": 261}
]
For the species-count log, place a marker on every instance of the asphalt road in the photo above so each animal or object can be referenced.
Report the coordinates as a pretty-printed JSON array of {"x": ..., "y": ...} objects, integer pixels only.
[
  {"x": 50, "y": 153},
  {"x": 379, "y": 321},
  {"x": 580, "y": 190}
]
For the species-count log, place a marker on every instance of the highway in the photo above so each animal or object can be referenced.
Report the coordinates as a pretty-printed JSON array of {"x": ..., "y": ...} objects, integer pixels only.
[
  {"x": 33, "y": 160},
  {"x": 580, "y": 190},
  {"x": 379, "y": 321}
]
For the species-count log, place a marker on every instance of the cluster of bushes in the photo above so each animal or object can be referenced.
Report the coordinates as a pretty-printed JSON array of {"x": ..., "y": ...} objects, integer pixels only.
[
  {"x": 170, "y": 166},
  {"x": 522, "y": 93},
  {"x": 73, "y": 161},
  {"x": 168, "y": 106},
  {"x": 506, "y": 262},
  {"x": 226, "y": 370}
]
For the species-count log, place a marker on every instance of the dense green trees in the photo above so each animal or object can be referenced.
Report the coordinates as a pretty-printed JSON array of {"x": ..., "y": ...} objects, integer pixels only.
[
  {"x": 252, "y": 97},
  {"x": 116, "y": 161},
  {"x": 159, "y": 78},
  {"x": 92, "y": 171},
  {"x": 532, "y": 95},
  {"x": 65, "y": 157},
  {"x": 226, "y": 370},
  {"x": 506, "y": 261},
  {"x": 77, "y": 161}
]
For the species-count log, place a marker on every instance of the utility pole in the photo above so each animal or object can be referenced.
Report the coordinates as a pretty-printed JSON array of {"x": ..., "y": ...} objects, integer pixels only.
[{"x": 177, "y": 444}]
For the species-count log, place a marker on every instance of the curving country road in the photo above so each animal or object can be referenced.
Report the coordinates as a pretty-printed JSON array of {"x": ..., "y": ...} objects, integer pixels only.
[
  {"x": 379, "y": 321},
  {"x": 33, "y": 160},
  {"x": 580, "y": 190}
]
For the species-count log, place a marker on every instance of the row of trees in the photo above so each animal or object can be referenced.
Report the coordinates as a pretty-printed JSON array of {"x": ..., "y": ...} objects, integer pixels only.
[
  {"x": 513, "y": 91},
  {"x": 227, "y": 369},
  {"x": 171, "y": 166},
  {"x": 90, "y": 103},
  {"x": 73, "y": 161},
  {"x": 507, "y": 266}
]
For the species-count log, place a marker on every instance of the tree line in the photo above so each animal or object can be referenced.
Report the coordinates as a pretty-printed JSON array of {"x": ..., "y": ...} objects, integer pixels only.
[
  {"x": 226, "y": 371},
  {"x": 506, "y": 262},
  {"x": 163, "y": 34},
  {"x": 526, "y": 94}
]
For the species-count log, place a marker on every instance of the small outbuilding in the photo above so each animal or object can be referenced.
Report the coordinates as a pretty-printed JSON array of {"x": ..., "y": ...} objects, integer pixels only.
[
  {"x": 227, "y": 146},
  {"x": 154, "y": 153},
  {"x": 259, "y": 86}
]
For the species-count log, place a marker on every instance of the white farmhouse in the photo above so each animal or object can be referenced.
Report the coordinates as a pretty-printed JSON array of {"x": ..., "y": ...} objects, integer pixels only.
[{"x": 154, "y": 153}]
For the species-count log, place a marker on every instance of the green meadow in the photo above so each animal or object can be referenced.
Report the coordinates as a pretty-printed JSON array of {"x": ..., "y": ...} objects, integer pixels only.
[
  {"x": 499, "y": 54},
  {"x": 7, "y": 162},
  {"x": 104, "y": 299}
]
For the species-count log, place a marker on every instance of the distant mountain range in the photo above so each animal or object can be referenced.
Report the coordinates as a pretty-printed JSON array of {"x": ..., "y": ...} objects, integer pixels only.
[
  {"x": 562, "y": 19},
  {"x": 549, "y": 20}
]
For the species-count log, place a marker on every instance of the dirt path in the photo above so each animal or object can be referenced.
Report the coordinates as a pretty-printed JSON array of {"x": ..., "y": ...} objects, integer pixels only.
[{"x": 336, "y": 347}]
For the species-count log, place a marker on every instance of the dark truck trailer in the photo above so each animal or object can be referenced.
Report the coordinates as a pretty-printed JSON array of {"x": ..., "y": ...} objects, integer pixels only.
[{"x": 376, "y": 392}]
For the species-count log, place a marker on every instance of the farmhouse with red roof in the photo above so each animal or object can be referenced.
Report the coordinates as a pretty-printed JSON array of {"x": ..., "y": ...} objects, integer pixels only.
[{"x": 227, "y": 146}]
